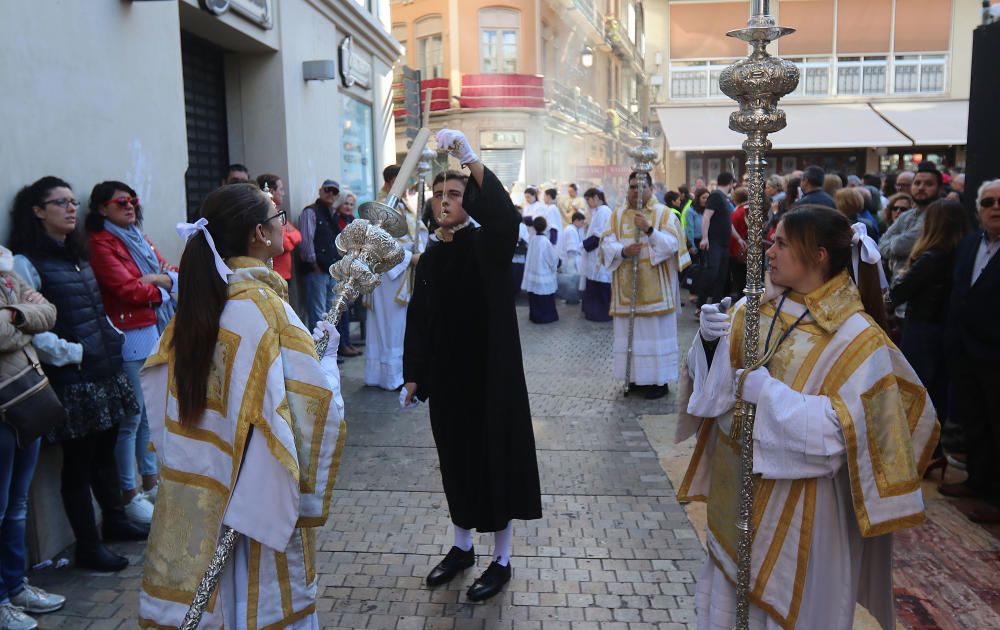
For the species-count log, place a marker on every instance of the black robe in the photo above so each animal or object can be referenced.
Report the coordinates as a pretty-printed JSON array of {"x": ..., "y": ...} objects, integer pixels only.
[{"x": 463, "y": 351}]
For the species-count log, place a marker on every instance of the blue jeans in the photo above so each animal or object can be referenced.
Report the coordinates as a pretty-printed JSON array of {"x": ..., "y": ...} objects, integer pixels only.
[
  {"x": 17, "y": 467},
  {"x": 319, "y": 298},
  {"x": 133, "y": 436}
]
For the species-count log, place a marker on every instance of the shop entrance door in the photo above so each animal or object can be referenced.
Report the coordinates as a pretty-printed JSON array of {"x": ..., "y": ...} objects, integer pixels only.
[{"x": 205, "y": 108}]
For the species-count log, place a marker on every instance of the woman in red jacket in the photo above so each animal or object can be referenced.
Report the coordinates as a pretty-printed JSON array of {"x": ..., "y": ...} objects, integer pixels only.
[
  {"x": 135, "y": 286},
  {"x": 292, "y": 237}
]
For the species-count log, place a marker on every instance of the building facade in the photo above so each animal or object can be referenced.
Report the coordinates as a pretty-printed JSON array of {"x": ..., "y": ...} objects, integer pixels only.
[
  {"x": 547, "y": 90},
  {"x": 884, "y": 83},
  {"x": 164, "y": 94}
]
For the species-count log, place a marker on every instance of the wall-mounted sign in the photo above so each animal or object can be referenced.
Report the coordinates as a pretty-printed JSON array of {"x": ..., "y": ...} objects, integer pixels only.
[
  {"x": 354, "y": 69},
  {"x": 501, "y": 139},
  {"x": 258, "y": 11}
]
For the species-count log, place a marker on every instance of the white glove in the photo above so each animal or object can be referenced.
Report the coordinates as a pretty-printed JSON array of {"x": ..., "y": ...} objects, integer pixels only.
[
  {"x": 325, "y": 327},
  {"x": 754, "y": 384},
  {"x": 403, "y": 396},
  {"x": 714, "y": 320},
  {"x": 457, "y": 145}
]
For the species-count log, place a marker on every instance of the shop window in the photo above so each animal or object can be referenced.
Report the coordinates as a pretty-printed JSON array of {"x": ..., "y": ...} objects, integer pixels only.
[
  {"x": 498, "y": 40},
  {"x": 357, "y": 171}
]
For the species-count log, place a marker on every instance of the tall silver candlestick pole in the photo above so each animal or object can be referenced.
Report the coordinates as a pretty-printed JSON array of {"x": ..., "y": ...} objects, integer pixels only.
[
  {"x": 756, "y": 83},
  {"x": 645, "y": 157}
]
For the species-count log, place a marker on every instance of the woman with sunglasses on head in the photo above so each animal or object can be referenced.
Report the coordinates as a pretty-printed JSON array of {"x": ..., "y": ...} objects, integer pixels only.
[
  {"x": 136, "y": 285},
  {"x": 248, "y": 428},
  {"x": 82, "y": 357}
]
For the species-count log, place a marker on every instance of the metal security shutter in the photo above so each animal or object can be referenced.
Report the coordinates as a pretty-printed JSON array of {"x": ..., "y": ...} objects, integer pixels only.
[
  {"x": 205, "y": 107},
  {"x": 507, "y": 164}
]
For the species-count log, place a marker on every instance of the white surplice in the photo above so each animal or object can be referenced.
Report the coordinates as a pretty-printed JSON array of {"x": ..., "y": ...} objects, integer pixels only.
[
  {"x": 593, "y": 267},
  {"x": 841, "y": 437},
  {"x": 386, "y": 325},
  {"x": 540, "y": 268},
  {"x": 655, "y": 355},
  {"x": 570, "y": 249},
  {"x": 262, "y": 459}
]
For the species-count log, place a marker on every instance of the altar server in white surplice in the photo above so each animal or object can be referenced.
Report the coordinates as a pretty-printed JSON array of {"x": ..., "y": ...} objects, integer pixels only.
[
  {"x": 653, "y": 236},
  {"x": 540, "y": 275},
  {"x": 843, "y": 433},
  {"x": 596, "y": 285},
  {"x": 247, "y": 426},
  {"x": 386, "y": 325},
  {"x": 570, "y": 253}
]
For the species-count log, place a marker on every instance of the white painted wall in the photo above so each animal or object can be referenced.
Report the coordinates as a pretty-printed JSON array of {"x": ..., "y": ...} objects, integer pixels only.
[{"x": 93, "y": 91}]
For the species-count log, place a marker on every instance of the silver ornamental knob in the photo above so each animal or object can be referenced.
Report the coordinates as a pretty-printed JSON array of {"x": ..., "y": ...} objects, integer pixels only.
[{"x": 644, "y": 154}]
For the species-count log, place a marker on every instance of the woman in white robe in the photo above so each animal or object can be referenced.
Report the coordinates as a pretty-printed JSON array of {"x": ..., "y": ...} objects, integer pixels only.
[
  {"x": 242, "y": 417},
  {"x": 843, "y": 432}
]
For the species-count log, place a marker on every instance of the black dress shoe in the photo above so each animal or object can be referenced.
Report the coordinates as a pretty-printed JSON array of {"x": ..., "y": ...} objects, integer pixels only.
[
  {"x": 657, "y": 391},
  {"x": 489, "y": 583},
  {"x": 97, "y": 557},
  {"x": 123, "y": 529},
  {"x": 454, "y": 563}
]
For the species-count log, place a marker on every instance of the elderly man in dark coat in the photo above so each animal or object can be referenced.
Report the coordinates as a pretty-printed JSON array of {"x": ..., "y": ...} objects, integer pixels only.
[
  {"x": 463, "y": 354},
  {"x": 974, "y": 340}
]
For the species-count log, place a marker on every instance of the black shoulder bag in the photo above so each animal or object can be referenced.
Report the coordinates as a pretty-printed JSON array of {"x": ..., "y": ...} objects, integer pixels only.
[{"x": 29, "y": 405}]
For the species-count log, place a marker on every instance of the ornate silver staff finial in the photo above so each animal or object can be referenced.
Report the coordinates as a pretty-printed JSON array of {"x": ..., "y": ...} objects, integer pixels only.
[
  {"x": 645, "y": 157},
  {"x": 756, "y": 83}
]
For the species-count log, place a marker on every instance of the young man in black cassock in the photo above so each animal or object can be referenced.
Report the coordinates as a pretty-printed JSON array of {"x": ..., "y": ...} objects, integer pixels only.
[{"x": 462, "y": 353}]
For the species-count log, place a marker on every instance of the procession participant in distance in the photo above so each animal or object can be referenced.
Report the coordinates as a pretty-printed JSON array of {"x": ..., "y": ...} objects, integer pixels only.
[
  {"x": 463, "y": 354},
  {"x": 597, "y": 278},
  {"x": 662, "y": 253}
]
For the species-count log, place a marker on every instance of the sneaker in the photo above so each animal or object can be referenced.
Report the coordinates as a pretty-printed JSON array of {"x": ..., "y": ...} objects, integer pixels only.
[
  {"x": 139, "y": 509},
  {"x": 35, "y": 600},
  {"x": 151, "y": 493},
  {"x": 13, "y": 618}
]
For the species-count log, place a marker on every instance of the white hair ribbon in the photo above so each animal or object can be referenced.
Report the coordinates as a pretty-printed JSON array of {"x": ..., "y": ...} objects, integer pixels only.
[
  {"x": 867, "y": 251},
  {"x": 187, "y": 230}
]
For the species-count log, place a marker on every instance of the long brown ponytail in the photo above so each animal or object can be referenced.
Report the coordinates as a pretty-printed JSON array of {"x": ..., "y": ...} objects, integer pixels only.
[
  {"x": 811, "y": 227},
  {"x": 233, "y": 212}
]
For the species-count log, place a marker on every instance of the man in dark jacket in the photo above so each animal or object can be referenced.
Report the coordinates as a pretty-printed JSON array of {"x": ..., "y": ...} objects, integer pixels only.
[
  {"x": 462, "y": 353},
  {"x": 812, "y": 189},
  {"x": 974, "y": 339}
]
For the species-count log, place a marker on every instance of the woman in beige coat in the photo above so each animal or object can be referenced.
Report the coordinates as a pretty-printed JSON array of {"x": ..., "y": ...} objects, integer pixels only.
[{"x": 23, "y": 313}]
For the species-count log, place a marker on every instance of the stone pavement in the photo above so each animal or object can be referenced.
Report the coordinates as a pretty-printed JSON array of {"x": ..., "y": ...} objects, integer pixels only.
[{"x": 614, "y": 550}]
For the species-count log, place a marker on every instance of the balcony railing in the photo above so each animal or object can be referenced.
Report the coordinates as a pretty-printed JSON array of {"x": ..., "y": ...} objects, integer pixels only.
[
  {"x": 827, "y": 76},
  {"x": 502, "y": 90},
  {"x": 588, "y": 10},
  {"x": 570, "y": 102},
  {"x": 616, "y": 35},
  {"x": 627, "y": 121}
]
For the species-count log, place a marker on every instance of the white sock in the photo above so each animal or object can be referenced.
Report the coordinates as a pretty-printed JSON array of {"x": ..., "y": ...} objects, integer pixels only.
[
  {"x": 463, "y": 538},
  {"x": 501, "y": 545}
]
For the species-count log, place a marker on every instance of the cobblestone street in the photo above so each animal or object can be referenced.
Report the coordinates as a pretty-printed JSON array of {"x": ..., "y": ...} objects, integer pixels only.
[{"x": 614, "y": 550}]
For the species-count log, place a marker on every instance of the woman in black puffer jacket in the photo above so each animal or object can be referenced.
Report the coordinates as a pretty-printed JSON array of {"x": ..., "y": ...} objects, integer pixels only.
[{"x": 82, "y": 358}]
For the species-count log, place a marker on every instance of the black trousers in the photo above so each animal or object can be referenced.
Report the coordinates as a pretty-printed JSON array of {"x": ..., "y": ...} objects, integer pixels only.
[
  {"x": 977, "y": 408},
  {"x": 714, "y": 274},
  {"x": 89, "y": 465}
]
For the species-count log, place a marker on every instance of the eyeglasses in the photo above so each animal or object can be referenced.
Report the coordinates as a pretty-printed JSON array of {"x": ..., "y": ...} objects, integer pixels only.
[
  {"x": 331, "y": 190},
  {"x": 988, "y": 202},
  {"x": 63, "y": 202},
  {"x": 900, "y": 208},
  {"x": 280, "y": 216},
  {"x": 124, "y": 201}
]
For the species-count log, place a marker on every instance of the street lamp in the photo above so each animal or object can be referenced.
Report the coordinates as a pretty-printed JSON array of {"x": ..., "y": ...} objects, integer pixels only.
[{"x": 587, "y": 57}]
